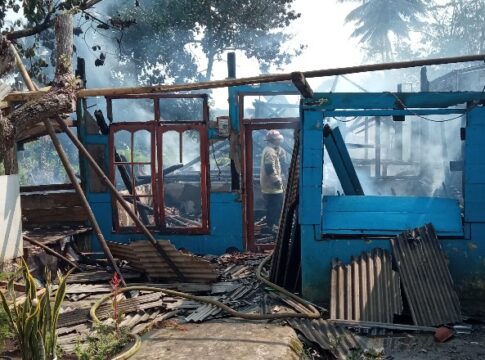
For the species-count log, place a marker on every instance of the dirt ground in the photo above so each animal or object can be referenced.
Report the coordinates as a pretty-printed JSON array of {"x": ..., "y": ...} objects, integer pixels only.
[{"x": 423, "y": 347}]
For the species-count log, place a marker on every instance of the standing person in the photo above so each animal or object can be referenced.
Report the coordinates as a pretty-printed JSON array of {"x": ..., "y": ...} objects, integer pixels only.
[{"x": 271, "y": 179}]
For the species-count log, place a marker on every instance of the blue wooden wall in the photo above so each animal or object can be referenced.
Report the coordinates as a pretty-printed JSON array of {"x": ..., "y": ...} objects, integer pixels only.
[{"x": 463, "y": 239}]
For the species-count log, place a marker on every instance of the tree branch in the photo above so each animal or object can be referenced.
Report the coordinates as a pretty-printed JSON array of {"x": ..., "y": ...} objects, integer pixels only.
[{"x": 48, "y": 22}]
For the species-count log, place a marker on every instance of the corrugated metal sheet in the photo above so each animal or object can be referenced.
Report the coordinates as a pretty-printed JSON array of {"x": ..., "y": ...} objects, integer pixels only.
[
  {"x": 426, "y": 279},
  {"x": 245, "y": 292},
  {"x": 367, "y": 289},
  {"x": 100, "y": 276},
  {"x": 142, "y": 256},
  {"x": 336, "y": 339}
]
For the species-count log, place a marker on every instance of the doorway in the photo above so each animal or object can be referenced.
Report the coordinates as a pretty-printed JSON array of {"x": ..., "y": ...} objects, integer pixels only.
[{"x": 259, "y": 234}]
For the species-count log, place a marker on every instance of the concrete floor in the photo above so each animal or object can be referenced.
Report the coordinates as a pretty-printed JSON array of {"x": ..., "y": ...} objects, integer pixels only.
[{"x": 240, "y": 340}]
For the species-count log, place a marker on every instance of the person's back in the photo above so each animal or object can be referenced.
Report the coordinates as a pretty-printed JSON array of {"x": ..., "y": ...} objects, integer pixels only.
[
  {"x": 271, "y": 179},
  {"x": 270, "y": 171}
]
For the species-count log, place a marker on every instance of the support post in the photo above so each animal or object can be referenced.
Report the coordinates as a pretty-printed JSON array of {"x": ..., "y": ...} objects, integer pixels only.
[
  {"x": 82, "y": 196},
  {"x": 377, "y": 129}
]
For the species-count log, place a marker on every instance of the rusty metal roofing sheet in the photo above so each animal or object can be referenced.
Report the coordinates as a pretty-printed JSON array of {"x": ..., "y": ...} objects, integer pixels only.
[
  {"x": 142, "y": 256},
  {"x": 336, "y": 339},
  {"x": 425, "y": 276},
  {"x": 366, "y": 289}
]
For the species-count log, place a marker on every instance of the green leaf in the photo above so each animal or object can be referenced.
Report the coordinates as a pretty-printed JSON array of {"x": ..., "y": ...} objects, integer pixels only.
[{"x": 9, "y": 314}]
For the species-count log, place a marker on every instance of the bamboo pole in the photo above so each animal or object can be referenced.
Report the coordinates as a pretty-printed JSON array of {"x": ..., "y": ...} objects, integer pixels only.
[
  {"x": 120, "y": 199},
  {"x": 23, "y": 96},
  {"x": 84, "y": 200},
  {"x": 71, "y": 174}
]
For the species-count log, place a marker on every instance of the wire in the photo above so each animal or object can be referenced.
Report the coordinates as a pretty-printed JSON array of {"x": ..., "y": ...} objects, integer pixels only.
[
  {"x": 346, "y": 121},
  {"x": 421, "y": 116},
  {"x": 434, "y": 120}
]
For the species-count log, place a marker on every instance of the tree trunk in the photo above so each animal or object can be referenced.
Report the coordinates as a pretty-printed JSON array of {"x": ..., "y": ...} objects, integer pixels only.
[
  {"x": 64, "y": 40},
  {"x": 210, "y": 66},
  {"x": 7, "y": 60},
  {"x": 59, "y": 100}
]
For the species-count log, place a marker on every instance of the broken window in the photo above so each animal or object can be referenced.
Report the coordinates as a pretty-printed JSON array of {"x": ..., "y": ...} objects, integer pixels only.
[
  {"x": 39, "y": 163},
  {"x": 161, "y": 169},
  {"x": 182, "y": 109},
  {"x": 129, "y": 110},
  {"x": 410, "y": 157},
  {"x": 271, "y": 106},
  {"x": 184, "y": 159},
  {"x": 132, "y": 155}
]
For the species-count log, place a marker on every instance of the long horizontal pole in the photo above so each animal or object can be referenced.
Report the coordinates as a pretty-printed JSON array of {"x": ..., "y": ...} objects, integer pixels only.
[{"x": 23, "y": 96}]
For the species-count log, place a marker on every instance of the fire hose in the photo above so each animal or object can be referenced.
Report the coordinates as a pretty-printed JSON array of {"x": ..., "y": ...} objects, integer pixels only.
[{"x": 312, "y": 313}]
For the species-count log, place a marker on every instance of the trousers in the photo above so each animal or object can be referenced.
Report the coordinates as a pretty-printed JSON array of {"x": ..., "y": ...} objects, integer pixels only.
[{"x": 274, "y": 202}]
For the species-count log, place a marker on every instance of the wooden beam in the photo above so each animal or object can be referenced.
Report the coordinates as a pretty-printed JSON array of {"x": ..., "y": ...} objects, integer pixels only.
[
  {"x": 302, "y": 85},
  {"x": 83, "y": 93}
]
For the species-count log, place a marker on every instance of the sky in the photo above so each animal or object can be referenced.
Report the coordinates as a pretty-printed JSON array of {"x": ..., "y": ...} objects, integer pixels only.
[{"x": 322, "y": 29}]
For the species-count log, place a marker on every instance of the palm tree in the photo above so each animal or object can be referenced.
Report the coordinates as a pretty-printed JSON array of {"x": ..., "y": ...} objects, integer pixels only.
[{"x": 375, "y": 20}]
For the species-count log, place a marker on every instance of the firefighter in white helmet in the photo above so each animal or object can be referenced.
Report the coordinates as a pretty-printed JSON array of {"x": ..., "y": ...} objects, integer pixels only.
[{"x": 271, "y": 179}]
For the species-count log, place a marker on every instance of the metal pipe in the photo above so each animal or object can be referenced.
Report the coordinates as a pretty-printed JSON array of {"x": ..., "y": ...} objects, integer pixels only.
[
  {"x": 22, "y": 96},
  {"x": 50, "y": 251},
  {"x": 82, "y": 196},
  {"x": 120, "y": 199}
]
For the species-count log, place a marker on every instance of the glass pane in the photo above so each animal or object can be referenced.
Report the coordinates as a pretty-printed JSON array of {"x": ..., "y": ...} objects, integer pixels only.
[
  {"x": 122, "y": 143},
  {"x": 142, "y": 142},
  {"x": 182, "y": 189},
  {"x": 271, "y": 160}
]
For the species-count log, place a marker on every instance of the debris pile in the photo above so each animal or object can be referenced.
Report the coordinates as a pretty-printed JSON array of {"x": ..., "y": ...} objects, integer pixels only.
[{"x": 237, "y": 287}]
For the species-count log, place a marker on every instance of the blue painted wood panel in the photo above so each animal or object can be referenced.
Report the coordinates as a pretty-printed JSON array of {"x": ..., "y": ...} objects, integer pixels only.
[
  {"x": 474, "y": 174},
  {"x": 387, "y": 100},
  {"x": 311, "y": 168},
  {"x": 389, "y": 215}
]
